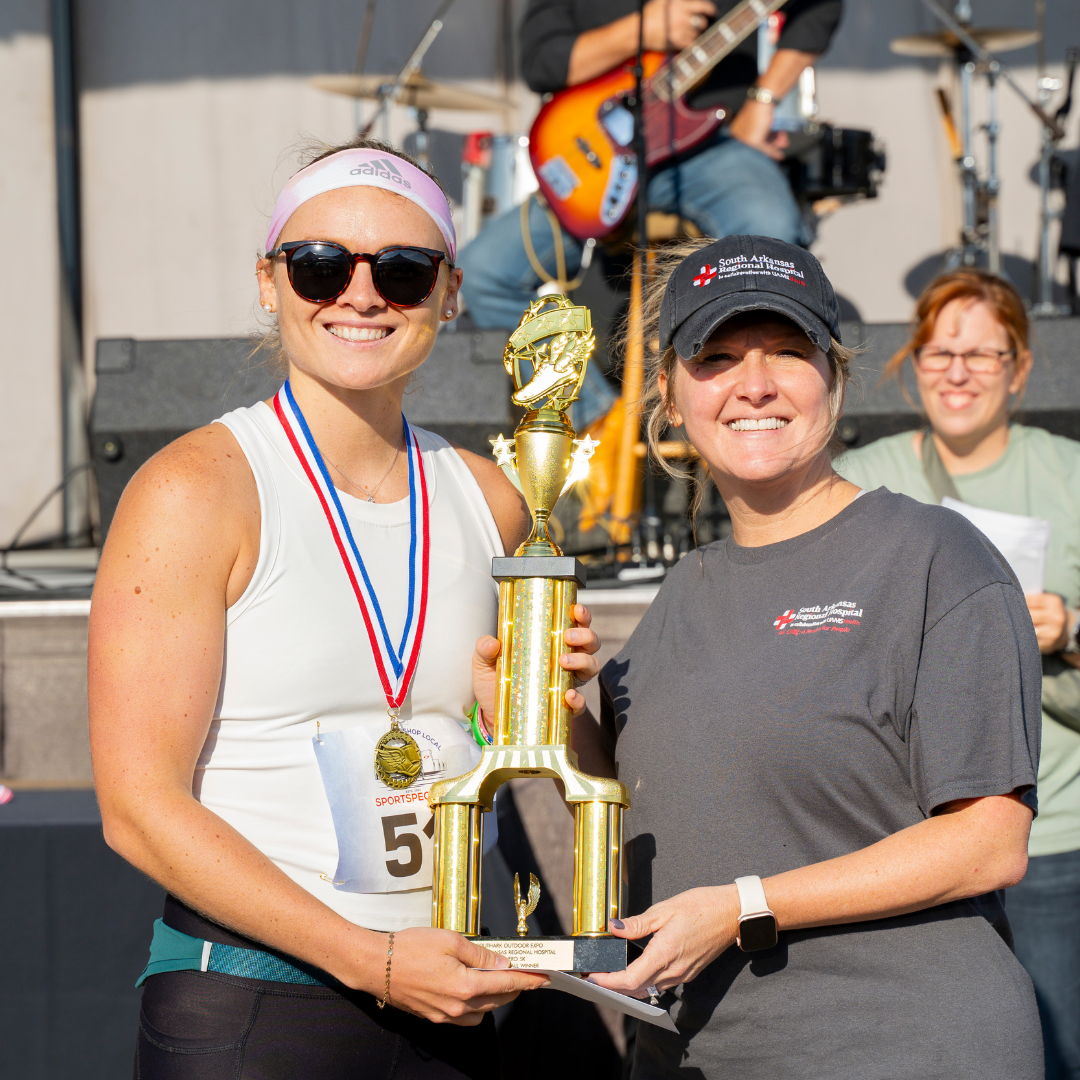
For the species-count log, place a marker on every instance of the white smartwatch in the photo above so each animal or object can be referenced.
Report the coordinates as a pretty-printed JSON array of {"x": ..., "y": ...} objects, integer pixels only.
[{"x": 757, "y": 924}]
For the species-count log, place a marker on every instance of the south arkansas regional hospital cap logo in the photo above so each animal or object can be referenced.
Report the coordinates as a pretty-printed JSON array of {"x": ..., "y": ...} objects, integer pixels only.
[{"x": 740, "y": 265}]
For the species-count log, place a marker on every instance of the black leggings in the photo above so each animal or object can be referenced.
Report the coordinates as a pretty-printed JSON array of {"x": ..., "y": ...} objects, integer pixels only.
[{"x": 198, "y": 1025}]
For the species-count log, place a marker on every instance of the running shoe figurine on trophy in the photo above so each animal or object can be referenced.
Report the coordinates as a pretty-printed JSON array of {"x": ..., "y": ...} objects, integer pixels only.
[{"x": 537, "y": 590}]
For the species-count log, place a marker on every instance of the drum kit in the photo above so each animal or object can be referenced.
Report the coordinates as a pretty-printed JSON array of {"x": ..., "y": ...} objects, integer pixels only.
[
  {"x": 827, "y": 165},
  {"x": 973, "y": 50}
]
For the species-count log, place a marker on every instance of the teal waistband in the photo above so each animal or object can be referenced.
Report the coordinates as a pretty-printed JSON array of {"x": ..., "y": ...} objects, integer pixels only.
[{"x": 170, "y": 950}]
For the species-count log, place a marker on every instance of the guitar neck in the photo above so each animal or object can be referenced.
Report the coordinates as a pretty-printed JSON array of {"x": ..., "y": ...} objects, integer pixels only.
[{"x": 682, "y": 72}]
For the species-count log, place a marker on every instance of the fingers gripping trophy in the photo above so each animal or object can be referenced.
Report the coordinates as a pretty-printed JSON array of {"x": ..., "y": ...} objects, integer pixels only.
[{"x": 546, "y": 356}]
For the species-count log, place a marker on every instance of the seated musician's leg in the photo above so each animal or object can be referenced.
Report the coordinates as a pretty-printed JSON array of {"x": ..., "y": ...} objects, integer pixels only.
[
  {"x": 500, "y": 280},
  {"x": 731, "y": 189}
]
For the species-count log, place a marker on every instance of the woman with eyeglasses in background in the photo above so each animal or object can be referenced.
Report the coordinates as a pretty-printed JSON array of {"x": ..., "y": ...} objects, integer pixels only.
[
  {"x": 970, "y": 357},
  {"x": 281, "y": 663}
]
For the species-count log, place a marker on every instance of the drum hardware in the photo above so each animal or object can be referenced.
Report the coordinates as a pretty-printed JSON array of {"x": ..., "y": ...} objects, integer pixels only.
[
  {"x": 416, "y": 91},
  {"x": 409, "y": 87},
  {"x": 1051, "y": 175},
  {"x": 979, "y": 239},
  {"x": 497, "y": 176}
]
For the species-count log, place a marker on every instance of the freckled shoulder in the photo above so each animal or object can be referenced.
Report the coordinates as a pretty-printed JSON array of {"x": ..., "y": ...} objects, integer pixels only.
[
  {"x": 197, "y": 500},
  {"x": 504, "y": 500}
]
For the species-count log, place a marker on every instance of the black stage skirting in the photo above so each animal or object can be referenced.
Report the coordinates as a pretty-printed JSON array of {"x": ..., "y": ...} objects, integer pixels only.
[
  {"x": 75, "y": 928},
  {"x": 75, "y": 925}
]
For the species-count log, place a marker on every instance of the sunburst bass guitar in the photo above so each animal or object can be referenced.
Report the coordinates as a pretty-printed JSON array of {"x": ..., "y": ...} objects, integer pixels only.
[{"x": 581, "y": 143}]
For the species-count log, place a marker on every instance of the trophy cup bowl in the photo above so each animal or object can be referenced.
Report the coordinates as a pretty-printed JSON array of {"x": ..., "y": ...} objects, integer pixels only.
[
  {"x": 543, "y": 445},
  {"x": 537, "y": 591}
]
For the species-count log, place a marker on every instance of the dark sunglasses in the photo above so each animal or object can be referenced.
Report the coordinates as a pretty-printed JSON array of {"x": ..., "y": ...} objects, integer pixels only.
[{"x": 320, "y": 271}]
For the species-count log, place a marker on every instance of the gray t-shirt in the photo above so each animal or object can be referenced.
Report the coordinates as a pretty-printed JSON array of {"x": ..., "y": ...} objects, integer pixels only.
[{"x": 782, "y": 705}]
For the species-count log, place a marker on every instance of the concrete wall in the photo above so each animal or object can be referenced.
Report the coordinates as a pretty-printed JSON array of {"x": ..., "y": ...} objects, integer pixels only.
[
  {"x": 29, "y": 271},
  {"x": 43, "y": 714}
]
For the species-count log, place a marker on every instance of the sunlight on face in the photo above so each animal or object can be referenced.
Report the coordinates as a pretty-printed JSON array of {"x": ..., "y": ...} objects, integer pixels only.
[
  {"x": 959, "y": 403},
  {"x": 319, "y": 339},
  {"x": 755, "y": 401}
]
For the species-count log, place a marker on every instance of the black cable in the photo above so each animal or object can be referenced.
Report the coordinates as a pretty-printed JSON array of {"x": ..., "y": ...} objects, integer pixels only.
[
  {"x": 1071, "y": 58},
  {"x": 13, "y": 546},
  {"x": 639, "y": 128}
]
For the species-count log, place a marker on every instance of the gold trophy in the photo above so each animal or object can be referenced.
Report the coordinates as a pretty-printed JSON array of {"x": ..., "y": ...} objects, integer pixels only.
[{"x": 537, "y": 590}]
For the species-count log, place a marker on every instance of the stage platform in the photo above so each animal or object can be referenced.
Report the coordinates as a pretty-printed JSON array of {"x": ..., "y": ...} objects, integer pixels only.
[{"x": 75, "y": 925}]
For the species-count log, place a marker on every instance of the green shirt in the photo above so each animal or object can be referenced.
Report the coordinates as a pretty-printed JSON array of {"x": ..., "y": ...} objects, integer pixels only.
[{"x": 1038, "y": 475}]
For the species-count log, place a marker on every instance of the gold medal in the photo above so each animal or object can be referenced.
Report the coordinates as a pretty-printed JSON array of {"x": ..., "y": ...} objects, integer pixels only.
[{"x": 397, "y": 757}]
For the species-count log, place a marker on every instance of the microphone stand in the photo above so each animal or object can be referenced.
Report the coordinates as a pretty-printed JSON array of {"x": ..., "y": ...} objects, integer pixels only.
[{"x": 626, "y": 499}]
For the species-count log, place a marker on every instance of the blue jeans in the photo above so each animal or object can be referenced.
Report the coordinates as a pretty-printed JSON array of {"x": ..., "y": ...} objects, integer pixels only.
[
  {"x": 1044, "y": 912},
  {"x": 727, "y": 189}
]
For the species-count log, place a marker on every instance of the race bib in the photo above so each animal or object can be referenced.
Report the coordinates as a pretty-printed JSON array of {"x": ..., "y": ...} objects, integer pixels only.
[{"x": 384, "y": 834}]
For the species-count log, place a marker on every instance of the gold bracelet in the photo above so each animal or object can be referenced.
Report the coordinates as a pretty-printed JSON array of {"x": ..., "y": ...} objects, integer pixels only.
[{"x": 389, "y": 954}]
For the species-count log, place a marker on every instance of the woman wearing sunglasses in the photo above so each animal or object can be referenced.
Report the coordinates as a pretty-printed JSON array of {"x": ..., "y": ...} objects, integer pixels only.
[
  {"x": 970, "y": 358},
  {"x": 281, "y": 664}
]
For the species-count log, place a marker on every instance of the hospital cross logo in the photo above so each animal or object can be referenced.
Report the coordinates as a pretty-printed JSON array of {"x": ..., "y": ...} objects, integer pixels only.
[
  {"x": 842, "y": 617},
  {"x": 705, "y": 276}
]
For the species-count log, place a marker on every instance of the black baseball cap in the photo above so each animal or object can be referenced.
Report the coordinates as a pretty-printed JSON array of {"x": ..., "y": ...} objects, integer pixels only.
[{"x": 740, "y": 274}]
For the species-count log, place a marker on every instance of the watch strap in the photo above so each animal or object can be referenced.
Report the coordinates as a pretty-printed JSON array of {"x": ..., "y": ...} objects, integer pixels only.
[
  {"x": 752, "y": 896},
  {"x": 1072, "y": 645}
]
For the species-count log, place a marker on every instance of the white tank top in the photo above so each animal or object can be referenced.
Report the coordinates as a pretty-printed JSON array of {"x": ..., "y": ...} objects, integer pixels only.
[{"x": 298, "y": 667}]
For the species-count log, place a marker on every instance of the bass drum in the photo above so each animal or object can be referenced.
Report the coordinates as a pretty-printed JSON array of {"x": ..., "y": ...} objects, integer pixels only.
[{"x": 825, "y": 162}]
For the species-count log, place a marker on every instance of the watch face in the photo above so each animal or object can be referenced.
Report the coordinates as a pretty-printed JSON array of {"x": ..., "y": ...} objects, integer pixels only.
[{"x": 757, "y": 932}]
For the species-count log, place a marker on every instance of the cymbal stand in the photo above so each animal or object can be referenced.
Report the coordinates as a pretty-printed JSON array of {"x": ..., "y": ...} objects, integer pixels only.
[
  {"x": 979, "y": 241},
  {"x": 993, "y": 181},
  {"x": 968, "y": 252},
  {"x": 389, "y": 93},
  {"x": 1045, "y": 308},
  {"x": 971, "y": 243}
]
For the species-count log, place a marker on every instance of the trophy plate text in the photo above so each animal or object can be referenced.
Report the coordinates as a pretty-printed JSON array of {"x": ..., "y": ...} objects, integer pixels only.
[{"x": 577, "y": 954}]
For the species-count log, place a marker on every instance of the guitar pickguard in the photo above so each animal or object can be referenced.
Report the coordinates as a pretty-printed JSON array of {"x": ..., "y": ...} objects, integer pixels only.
[
  {"x": 581, "y": 140},
  {"x": 621, "y": 185}
]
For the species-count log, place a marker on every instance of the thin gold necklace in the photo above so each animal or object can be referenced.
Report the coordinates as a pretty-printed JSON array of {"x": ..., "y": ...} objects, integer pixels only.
[{"x": 369, "y": 492}]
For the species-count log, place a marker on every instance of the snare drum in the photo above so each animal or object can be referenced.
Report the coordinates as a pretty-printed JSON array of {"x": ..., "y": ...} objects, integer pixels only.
[{"x": 498, "y": 177}]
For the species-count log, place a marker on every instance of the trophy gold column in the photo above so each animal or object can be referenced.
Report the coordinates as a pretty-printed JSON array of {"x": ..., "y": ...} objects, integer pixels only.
[{"x": 537, "y": 590}]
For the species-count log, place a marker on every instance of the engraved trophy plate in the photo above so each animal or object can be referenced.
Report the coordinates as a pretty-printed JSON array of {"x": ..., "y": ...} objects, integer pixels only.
[{"x": 546, "y": 357}]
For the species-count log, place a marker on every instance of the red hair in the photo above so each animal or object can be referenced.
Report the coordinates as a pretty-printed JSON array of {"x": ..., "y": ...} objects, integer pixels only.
[{"x": 967, "y": 284}]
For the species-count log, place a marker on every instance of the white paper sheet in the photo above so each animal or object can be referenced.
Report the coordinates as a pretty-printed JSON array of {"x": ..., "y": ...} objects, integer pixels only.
[
  {"x": 1023, "y": 541},
  {"x": 601, "y": 995}
]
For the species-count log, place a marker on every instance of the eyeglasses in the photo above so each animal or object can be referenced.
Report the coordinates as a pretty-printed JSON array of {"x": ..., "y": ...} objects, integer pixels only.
[
  {"x": 321, "y": 271},
  {"x": 978, "y": 362}
]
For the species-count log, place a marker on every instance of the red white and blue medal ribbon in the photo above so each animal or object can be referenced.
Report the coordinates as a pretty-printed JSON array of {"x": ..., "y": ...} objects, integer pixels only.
[{"x": 396, "y": 664}]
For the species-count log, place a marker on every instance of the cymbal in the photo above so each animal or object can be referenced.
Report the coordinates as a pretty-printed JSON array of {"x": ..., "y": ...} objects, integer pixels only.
[
  {"x": 418, "y": 92},
  {"x": 944, "y": 43}
]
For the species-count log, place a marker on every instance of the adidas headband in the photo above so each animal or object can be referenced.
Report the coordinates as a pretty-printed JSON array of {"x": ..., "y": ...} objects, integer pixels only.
[{"x": 364, "y": 168}]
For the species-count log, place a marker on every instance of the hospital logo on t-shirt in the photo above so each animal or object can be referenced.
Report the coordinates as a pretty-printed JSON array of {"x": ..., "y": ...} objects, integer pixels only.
[{"x": 841, "y": 616}]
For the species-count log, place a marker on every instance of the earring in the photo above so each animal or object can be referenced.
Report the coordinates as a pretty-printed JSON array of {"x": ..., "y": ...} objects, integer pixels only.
[
  {"x": 449, "y": 313},
  {"x": 267, "y": 308}
]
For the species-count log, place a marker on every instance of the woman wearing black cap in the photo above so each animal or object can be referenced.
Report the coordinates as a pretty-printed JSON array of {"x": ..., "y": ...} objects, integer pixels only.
[{"x": 828, "y": 723}]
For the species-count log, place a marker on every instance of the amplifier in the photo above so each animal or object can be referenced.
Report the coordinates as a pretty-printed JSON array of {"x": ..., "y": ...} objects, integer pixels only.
[
  {"x": 875, "y": 409},
  {"x": 152, "y": 392}
]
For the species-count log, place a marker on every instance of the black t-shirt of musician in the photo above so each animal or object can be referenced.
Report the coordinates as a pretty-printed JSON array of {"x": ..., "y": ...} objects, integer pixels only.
[{"x": 550, "y": 28}]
